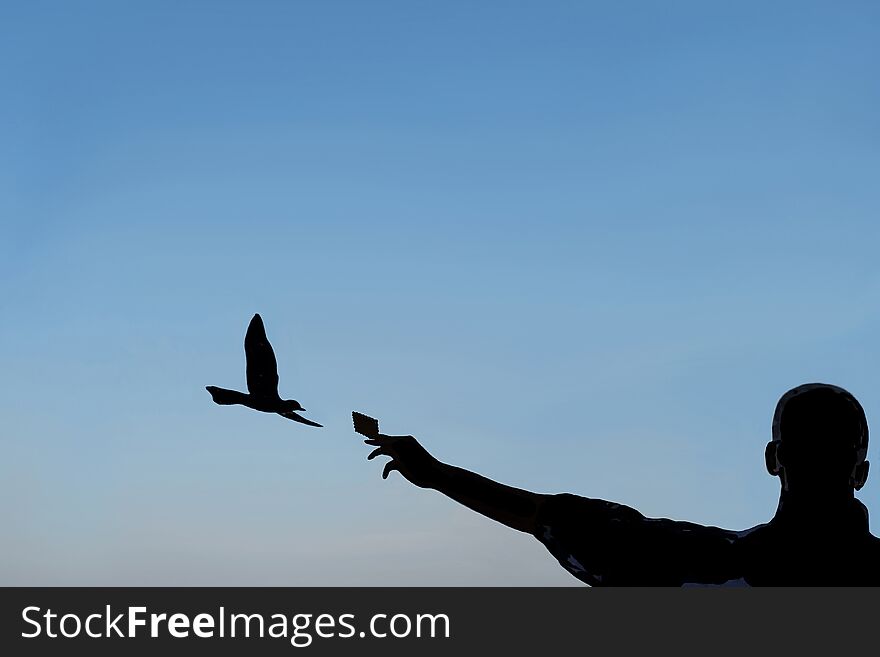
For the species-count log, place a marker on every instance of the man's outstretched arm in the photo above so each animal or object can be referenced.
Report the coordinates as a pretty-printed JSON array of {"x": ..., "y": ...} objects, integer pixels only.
[
  {"x": 510, "y": 506},
  {"x": 598, "y": 542}
]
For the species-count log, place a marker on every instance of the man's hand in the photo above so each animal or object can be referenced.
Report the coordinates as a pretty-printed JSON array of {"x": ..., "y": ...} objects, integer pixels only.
[
  {"x": 408, "y": 457},
  {"x": 510, "y": 506}
]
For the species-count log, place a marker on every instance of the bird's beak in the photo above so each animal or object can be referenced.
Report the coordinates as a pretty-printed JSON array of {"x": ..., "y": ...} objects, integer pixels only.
[{"x": 301, "y": 408}]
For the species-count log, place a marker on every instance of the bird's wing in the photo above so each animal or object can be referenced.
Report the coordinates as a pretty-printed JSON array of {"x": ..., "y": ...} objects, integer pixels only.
[
  {"x": 262, "y": 369},
  {"x": 290, "y": 415}
]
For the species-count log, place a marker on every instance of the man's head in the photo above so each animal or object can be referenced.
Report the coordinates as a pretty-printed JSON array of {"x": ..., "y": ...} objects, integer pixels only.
[{"x": 820, "y": 441}]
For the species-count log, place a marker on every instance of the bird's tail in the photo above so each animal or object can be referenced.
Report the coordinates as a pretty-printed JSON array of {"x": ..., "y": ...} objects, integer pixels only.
[{"x": 224, "y": 396}]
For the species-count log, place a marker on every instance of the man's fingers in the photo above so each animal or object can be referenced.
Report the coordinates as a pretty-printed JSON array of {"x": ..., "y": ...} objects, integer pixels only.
[
  {"x": 385, "y": 436},
  {"x": 382, "y": 439},
  {"x": 391, "y": 465},
  {"x": 376, "y": 452}
]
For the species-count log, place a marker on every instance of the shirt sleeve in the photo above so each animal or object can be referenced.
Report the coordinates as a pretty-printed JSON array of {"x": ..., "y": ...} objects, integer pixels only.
[{"x": 607, "y": 544}]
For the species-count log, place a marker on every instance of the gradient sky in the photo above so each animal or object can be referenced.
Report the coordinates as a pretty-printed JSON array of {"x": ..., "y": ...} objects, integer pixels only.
[{"x": 573, "y": 246}]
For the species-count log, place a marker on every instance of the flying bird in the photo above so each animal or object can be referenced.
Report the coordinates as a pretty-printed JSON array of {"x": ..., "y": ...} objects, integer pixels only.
[{"x": 262, "y": 379}]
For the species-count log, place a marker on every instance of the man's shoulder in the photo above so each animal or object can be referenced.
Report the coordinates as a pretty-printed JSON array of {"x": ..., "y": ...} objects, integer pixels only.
[
  {"x": 872, "y": 544},
  {"x": 770, "y": 555},
  {"x": 607, "y": 543}
]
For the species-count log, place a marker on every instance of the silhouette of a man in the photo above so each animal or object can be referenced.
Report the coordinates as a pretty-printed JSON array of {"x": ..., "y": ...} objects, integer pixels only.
[{"x": 819, "y": 535}]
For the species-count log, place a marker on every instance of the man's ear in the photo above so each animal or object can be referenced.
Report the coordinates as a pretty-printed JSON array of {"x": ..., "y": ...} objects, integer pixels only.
[
  {"x": 859, "y": 475},
  {"x": 771, "y": 458}
]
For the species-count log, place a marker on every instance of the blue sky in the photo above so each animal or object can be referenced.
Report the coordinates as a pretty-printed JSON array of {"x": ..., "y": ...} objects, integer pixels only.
[{"x": 573, "y": 246}]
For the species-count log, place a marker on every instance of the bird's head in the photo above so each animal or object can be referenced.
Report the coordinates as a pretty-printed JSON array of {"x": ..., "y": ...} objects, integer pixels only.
[{"x": 288, "y": 405}]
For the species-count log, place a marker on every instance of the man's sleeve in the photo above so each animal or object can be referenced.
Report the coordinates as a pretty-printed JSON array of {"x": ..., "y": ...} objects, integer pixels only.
[{"x": 607, "y": 544}]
